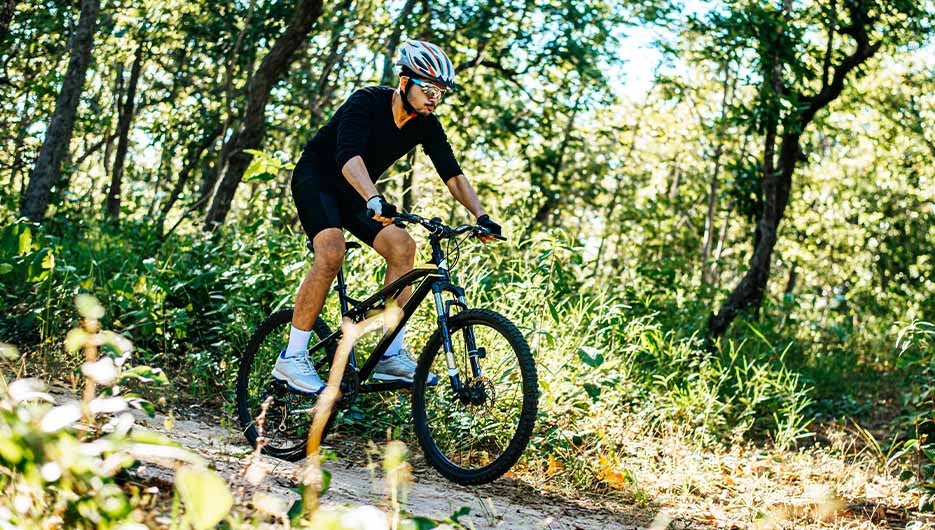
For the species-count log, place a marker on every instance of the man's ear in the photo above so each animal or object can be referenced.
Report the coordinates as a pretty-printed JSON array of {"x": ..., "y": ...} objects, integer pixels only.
[{"x": 403, "y": 81}]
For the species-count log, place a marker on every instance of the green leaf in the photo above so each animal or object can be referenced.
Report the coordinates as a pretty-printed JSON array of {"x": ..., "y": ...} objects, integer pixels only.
[
  {"x": 590, "y": 356},
  {"x": 145, "y": 374},
  {"x": 142, "y": 404},
  {"x": 554, "y": 312},
  {"x": 5, "y": 268},
  {"x": 298, "y": 507},
  {"x": 24, "y": 240},
  {"x": 593, "y": 390},
  {"x": 418, "y": 523},
  {"x": 460, "y": 512},
  {"x": 206, "y": 496},
  {"x": 40, "y": 266},
  {"x": 263, "y": 167},
  {"x": 325, "y": 481}
]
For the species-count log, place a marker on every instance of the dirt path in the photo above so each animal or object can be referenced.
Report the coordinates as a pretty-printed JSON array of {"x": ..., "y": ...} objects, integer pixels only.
[{"x": 505, "y": 504}]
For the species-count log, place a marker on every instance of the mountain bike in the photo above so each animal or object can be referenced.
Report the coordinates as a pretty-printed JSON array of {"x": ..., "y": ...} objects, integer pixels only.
[{"x": 473, "y": 420}]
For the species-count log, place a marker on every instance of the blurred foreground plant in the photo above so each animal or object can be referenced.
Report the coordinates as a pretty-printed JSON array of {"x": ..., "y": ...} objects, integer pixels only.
[
  {"x": 916, "y": 345},
  {"x": 59, "y": 461}
]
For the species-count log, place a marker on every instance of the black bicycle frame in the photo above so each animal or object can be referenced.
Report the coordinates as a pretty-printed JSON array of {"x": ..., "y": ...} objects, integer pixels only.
[{"x": 434, "y": 278}]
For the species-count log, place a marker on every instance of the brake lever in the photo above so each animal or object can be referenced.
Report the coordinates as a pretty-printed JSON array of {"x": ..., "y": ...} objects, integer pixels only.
[{"x": 480, "y": 231}]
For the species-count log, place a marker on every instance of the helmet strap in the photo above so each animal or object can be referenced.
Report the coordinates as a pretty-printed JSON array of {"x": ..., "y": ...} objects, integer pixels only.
[{"x": 404, "y": 87}]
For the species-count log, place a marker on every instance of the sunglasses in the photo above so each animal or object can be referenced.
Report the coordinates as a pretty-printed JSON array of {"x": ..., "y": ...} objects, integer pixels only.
[{"x": 431, "y": 91}]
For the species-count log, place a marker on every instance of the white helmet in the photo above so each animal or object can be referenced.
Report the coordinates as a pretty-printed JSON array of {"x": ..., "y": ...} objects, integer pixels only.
[{"x": 426, "y": 60}]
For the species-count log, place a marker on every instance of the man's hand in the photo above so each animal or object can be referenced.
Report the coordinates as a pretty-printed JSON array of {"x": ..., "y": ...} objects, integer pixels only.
[
  {"x": 492, "y": 227},
  {"x": 381, "y": 210}
]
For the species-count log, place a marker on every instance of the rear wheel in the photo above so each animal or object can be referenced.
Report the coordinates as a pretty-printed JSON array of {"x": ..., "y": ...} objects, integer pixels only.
[
  {"x": 475, "y": 435},
  {"x": 288, "y": 412}
]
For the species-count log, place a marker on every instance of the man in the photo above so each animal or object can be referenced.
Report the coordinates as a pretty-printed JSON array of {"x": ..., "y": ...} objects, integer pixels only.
[{"x": 333, "y": 188}]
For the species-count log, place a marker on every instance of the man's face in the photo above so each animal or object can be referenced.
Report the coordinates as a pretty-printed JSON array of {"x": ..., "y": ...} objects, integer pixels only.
[{"x": 419, "y": 96}]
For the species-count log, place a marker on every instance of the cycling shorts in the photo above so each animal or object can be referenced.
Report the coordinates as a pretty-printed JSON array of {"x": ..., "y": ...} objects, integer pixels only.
[{"x": 328, "y": 201}]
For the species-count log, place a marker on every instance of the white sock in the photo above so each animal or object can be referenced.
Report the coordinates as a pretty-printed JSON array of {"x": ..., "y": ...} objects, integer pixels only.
[
  {"x": 396, "y": 345},
  {"x": 298, "y": 340}
]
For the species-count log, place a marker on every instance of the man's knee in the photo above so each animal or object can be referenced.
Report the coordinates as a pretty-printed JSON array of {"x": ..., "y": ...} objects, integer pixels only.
[
  {"x": 329, "y": 250},
  {"x": 397, "y": 246}
]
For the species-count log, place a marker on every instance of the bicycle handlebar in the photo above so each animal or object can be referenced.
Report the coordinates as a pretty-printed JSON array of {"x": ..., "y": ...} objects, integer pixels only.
[{"x": 440, "y": 230}]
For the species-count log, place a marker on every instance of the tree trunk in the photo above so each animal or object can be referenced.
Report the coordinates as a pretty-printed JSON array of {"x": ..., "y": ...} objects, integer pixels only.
[
  {"x": 208, "y": 186},
  {"x": 271, "y": 69},
  {"x": 777, "y": 183},
  {"x": 117, "y": 102},
  {"x": 190, "y": 164},
  {"x": 21, "y": 129},
  {"x": 7, "y": 9},
  {"x": 389, "y": 77},
  {"x": 707, "y": 270},
  {"x": 48, "y": 166},
  {"x": 324, "y": 90},
  {"x": 123, "y": 135},
  {"x": 552, "y": 195}
]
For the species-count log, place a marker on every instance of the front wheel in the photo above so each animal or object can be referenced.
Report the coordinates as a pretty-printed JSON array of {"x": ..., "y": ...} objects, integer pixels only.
[{"x": 474, "y": 435}]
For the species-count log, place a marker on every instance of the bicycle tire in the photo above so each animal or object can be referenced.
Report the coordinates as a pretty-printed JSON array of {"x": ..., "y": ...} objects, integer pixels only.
[
  {"x": 433, "y": 435},
  {"x": 267, "y": 338}
]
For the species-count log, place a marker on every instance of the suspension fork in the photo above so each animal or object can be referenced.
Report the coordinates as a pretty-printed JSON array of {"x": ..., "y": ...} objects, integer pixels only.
[
  {"x": 443, "y": 311},
  {"x": 442, "y": 319}
]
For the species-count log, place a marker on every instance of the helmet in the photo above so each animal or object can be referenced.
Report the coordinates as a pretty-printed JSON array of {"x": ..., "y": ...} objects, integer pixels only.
[{"x": 427, "y": 60}]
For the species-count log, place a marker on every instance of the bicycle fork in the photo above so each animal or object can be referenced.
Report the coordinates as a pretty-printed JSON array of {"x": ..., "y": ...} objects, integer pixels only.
[{"x": 442, "y": 311}]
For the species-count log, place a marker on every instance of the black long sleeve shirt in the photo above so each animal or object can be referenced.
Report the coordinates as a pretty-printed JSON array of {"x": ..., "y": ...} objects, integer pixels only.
[{"x": 364, "y": 126}]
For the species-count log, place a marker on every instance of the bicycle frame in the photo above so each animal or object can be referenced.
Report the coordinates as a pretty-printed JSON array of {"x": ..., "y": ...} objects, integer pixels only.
[{"x": 430, "y": 278}]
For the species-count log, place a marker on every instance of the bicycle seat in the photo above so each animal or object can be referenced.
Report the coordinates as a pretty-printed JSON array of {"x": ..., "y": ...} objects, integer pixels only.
[{"x": 348, "y": 245}]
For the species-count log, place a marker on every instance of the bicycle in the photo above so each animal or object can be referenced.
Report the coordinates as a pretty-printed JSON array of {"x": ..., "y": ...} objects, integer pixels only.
[{"x": 472, "y": 428}]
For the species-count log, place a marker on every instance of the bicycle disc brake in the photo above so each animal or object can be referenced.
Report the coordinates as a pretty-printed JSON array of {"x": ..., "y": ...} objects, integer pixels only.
[{"x": 479, "y": 394}]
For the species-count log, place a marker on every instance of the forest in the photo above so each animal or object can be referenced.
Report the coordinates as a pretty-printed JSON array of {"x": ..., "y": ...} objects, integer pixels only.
[{"x": 720, "y": 249}]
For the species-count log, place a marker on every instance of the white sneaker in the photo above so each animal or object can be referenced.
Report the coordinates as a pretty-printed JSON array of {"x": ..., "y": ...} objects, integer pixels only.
[
  {"x": 297, "y": 371},
  {"x": 399, "y": 367}
]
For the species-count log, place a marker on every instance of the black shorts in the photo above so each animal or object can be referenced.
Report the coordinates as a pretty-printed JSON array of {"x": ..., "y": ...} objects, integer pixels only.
[{"x": 327, "y": 201}]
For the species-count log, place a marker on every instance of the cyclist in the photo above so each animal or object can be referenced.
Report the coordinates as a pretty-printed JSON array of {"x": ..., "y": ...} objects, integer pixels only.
[{"x": 333, "y": 188}]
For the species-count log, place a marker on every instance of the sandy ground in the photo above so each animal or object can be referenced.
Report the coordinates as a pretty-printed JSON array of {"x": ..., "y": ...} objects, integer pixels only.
[{"x": 506, "y": 503}]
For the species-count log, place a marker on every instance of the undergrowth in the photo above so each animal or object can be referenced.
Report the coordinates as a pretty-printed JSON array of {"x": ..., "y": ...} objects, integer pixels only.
[{"x": 615, "y": 353}]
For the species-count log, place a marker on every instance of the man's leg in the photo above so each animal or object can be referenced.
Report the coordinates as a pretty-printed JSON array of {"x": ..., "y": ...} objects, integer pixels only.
[
  {"x": 329, "y": 255},
  {"x": 399, "y": 250},
  {"x": 293, "y": 364}
]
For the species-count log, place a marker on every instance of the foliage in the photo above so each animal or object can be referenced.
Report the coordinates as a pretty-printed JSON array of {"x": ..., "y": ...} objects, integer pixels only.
[
  {"x": 60, "y": 462},
  {"x": 916, "y": 345},
  {"x": 630, "y": 206}
]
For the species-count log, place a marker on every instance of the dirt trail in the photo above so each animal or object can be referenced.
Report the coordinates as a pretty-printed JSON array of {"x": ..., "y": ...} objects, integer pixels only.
[{"x": 505, "y": 504}]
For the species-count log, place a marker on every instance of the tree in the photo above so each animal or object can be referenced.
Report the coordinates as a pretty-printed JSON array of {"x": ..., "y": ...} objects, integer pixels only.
[
  {"x": 47, "y": 170},
  {"x": 127, "y": 110},
  {"x": 250, "y": 136},
  {"x": 799, "y": 76},
  {"x": 6, "y": 16}
]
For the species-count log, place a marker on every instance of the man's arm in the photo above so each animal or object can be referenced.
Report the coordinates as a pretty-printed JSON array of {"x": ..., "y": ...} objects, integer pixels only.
[
  {"x": 461, "y": 189},
  {"x": 357, "y": 175}
]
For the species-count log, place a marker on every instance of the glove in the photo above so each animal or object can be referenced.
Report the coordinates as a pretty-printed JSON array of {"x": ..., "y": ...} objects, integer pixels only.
[
  {"x": 378, "y": 207},
  {"x": 485, "y": 222}
]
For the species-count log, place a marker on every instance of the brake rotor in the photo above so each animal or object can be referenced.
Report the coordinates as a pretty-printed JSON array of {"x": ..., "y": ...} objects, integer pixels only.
[{"x": 481, "y": 395}]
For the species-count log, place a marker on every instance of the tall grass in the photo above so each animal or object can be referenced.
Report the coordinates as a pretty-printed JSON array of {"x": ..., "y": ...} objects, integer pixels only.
[{"x": 617, "y": 355}]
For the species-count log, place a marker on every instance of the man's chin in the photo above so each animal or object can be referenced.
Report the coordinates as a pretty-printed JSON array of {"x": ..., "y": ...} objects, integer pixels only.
[{"x": 424, "y": 112}]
